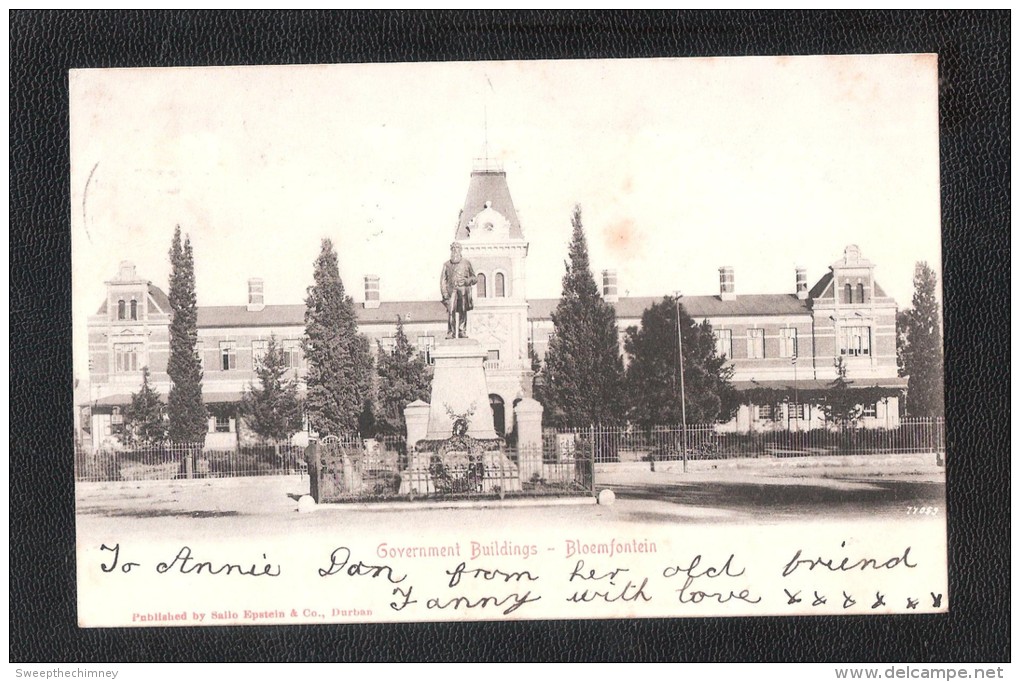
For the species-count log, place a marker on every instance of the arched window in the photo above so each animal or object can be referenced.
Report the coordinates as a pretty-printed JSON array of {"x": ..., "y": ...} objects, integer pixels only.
[
  {"x": 134, "y": 309},
  {"x": 121, "y": 310},
  {"x": 849, "y": 294},
  {"x": 860, "y": 293},
  {"x": 500, "y": 285},
  {"x": 481, "y": 285}
]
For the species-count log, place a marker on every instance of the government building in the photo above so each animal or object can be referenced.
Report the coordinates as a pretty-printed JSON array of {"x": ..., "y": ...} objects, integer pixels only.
[{"x": 786, "y": 342}]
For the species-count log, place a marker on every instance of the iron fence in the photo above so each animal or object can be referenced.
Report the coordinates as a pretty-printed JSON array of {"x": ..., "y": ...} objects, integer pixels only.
[
  {"x": 385, "y": 468},
  {"x": 359, "y": 470},
  {"x": 181, "y": 460},
  {"x": 708, "y": 441}
]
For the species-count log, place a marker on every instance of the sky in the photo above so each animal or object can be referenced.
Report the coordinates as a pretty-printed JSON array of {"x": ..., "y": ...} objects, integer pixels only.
[{"x": 680, "y": 166}]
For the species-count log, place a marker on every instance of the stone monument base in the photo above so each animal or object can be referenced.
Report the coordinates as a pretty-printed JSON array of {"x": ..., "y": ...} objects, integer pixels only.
[
  {"x": 459, "y": 465},
  {"x": 459, "y": 390}
]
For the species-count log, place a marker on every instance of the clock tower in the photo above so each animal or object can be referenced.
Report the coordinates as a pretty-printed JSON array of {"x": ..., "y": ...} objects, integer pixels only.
[{"x": 490, "y": 234}]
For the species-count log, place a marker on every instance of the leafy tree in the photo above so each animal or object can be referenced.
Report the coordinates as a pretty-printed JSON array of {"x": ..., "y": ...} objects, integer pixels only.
[
  {"x": 653, "y": 373},
  {"x": 273, "y": 410},
  {"x": 919, "y": 350},
  {"x": 403, "y": 378},
  {"x": 188, "y": 417},
  {"x": 146, "y": 416},
  {"x": 339, "y": 362},
  {"x": 842, "y": 404},
  {"x": 583, "y": 368}
]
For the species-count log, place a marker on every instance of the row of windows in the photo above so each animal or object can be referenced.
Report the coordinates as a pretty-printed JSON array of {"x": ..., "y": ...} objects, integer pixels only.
[
  {"x": 259, "y": 348},
  {"x": 853, "y": 341},
  {"x": 756, "y": 343},
  {"x": 798, "y": 411},
  {"x": 127, "y": 310},
  {"x": 426, "y": 344},
  {"x": 128, "y": 356},
  {"x": 499, "y": 288},
  {"x": 853, "y": 294}
]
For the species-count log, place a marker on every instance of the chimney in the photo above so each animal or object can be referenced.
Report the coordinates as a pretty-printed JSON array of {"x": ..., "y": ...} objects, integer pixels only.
[
  {"x": 609, "y": 290},
  {"x": 802, "y": 292},
  {"x": 256, "y": 299},
  {"x": 371, "y": 291},
  {"x": 727, "y": 292}
]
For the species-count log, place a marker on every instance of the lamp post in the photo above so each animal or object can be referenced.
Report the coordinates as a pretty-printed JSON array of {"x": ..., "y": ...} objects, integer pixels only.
[
  {"x": 683, "y": 396},
  {"x": 796, "y": 397}
]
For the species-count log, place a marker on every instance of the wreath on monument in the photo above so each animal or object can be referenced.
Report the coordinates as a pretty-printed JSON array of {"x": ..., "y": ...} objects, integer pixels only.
[{"x": 468, "y": 475}]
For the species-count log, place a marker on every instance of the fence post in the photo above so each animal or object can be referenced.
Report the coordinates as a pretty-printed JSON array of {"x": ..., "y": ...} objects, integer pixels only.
[{"x": 189, "y": 462}]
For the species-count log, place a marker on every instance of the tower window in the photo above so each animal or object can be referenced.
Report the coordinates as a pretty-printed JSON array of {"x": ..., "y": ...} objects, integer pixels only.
[
  {"x": 848, "y": 294},
  {"x": 860, "y": 293},
  {"x": 134, "y": 309},
  {"x": 121, "y": 310},
  {"x": 481, "y": 285},
  {"x": 500, "y": 285}
]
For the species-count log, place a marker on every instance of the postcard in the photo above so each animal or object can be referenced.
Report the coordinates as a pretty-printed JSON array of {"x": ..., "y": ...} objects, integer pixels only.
[{"x": 531, "y": 340}]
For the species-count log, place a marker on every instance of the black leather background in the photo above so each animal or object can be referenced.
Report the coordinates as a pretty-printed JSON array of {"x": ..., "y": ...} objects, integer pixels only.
[{"x": 973, "y": 53}]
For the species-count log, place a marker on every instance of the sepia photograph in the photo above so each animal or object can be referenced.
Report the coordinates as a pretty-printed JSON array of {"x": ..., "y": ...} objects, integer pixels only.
[{"x": 481, "y": 341}]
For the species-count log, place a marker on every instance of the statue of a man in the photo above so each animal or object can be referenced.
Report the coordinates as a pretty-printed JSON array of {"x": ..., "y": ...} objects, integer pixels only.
[{"x": 455, "y": 284}]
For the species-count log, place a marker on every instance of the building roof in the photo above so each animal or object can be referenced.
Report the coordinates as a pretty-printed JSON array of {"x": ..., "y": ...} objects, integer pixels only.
[
  {"x": 159, "y": 297},
  {"x": 823, "y": 288},
  {"x": 121, "y": 399},
  {"x": 294, "y": 315},
  {"x": 155, "y": 293},
  {"x": 488, "y": 185},
  {"x": 240, "y": 316},
  {"x": 698, "y": 307}
]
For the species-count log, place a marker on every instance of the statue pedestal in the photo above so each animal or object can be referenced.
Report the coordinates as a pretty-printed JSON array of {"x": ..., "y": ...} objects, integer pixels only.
[
  {"x": 459, "y": 389},
  {"x": 445, "y": 463}
]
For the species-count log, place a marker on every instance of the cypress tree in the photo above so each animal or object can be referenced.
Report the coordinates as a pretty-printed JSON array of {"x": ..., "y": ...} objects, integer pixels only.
[
  {"x": 339, "y": 375},
  {"x": 403, "y": 378},
  {"x": 921, "y": 350},
  {"x": 273, "y": 409},
  {"x": 583, "y": 367},
  {"x": 188, "y": 417}
]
